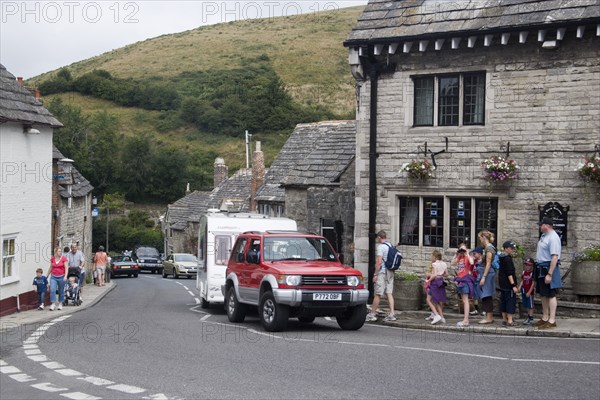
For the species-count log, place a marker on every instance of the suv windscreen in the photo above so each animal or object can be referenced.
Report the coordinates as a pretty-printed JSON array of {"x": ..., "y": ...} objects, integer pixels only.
[
  {"x": 297, "y": 248},
  {"x": 147, "y": 252}
]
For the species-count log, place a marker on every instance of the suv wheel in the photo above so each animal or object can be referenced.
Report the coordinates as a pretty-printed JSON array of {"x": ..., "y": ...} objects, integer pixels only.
[
  {"x": 353, "y": 319},
  {"x": 236, "y": 311},
  {"x": 273, "y": 316}
]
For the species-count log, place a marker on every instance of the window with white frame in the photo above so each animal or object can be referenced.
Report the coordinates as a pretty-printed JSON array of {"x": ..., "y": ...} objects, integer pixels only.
[
  {"x": 445, "y": 221},
  {"x": 9, "y": 260},
  {"x": 460, "y": 99}
]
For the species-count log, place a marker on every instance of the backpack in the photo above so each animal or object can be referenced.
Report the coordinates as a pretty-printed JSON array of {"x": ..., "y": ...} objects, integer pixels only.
[
  {"x": 394, "y": 258},
  {"x": 496, "y": 261}
]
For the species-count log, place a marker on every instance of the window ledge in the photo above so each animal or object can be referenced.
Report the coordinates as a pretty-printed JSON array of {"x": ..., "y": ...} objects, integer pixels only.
[{"x": 8, "y": 281}]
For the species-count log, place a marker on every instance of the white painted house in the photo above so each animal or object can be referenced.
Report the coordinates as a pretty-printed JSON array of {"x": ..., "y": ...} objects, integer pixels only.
[{"x": 25, "y": 191}]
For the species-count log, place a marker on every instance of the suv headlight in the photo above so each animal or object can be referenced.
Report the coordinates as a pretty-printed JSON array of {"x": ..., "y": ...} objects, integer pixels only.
[
  {"x": 290, "y": 280},
  {"x": 353, "y": 280}
]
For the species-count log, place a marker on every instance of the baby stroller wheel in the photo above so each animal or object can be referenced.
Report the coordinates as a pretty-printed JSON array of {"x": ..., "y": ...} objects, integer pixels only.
[{"x": 66, "y": 303}]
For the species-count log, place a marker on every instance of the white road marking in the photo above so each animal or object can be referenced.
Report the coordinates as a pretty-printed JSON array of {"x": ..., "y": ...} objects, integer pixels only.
[
  {"x": 179, "y": 283},
  {"x": 48, "y": 387},
  {"x": 30, "y": 346},
  {"x": 97, "y": 381},
  {"x": 157, "y": 396},
  {"x": 195, "y": 309},
  {"x": 558, "y": 361},
  {"x": 207, "y": 316},
  {"x": 365, "y": 344},
  {"x": 33, "y": 351},
  {"x": 53, "y": 365},
  {"x": 191, "y": 293},
  {"x": 79, "y": 396},
  {"x": 38, "y": 358},
  {"x": 9, "y": 369},
  {"x": 127, "y": 388},
  {"x": 263, "y": 333},
  {"x": 3, "y": 363},
  {"x": 456, "y": 353},
  {"x": 197, "y": 300},
  {"x": 22, "y": 378},
  {"x": 68, "y": 372}
]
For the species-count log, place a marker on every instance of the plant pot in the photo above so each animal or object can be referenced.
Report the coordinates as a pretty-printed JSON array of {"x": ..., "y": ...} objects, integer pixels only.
[
  {"x": 585, "y": 278},
  {"x": 408, "y": 295}
]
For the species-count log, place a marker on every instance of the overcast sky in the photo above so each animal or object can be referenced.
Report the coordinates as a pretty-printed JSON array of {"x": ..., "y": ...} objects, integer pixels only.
[{"x": 39, "y": 36}]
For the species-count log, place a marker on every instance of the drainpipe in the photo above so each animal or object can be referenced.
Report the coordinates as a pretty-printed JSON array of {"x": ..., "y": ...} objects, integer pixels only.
[{"x": 373, "y": 76}]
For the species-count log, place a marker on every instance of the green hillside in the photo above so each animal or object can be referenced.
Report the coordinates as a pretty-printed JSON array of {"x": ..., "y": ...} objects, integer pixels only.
[
  {"x": 161, "y": 110},
  {"x": 306, "y": 52}
]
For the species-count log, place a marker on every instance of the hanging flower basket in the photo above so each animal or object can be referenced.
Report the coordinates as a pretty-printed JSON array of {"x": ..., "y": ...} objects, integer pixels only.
[
  {"x": 418, "y": 170},
  {"x": 589, "y": 169},
  {"x": 500, "y": 169}
]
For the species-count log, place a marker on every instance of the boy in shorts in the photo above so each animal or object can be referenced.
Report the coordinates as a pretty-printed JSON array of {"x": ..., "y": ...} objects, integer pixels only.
[{"x": 527, "y": 288}]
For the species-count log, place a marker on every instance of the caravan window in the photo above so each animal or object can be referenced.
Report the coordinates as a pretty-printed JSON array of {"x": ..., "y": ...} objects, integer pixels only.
[{"x": 222, "y": 248}]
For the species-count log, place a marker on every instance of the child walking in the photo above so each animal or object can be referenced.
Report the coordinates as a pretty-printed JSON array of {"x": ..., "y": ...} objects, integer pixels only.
[
  {"x": 527, "y": 288},
  {"x": 437, "y": 287},
  {"x": 40, "y": 284},
  {"x": 476, "y": 253}
]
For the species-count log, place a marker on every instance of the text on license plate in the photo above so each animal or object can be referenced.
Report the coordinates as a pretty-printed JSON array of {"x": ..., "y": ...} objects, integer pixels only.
[{"x": 327, "y": 296}]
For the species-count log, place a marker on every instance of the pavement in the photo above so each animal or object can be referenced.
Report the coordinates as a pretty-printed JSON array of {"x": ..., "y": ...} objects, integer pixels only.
[
  {"x": 91, "y": 295},
  {"x": 566, "y": 327}
]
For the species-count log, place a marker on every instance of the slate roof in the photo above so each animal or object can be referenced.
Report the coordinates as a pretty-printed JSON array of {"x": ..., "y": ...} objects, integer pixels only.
[
  {"x": 190, "y": 208},
  {"x": 81, "y": 186},
  {"x": 299, "y": 145},
  {"x": 331, "y": 154},
  {"x": 387, "y": 21},
  {"x": 17, "y": 104}
]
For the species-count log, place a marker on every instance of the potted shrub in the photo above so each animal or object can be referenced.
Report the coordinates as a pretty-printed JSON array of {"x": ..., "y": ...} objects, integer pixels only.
[
  {"x": 408, "y": 291},
  {"x": 585, "y": 271}
]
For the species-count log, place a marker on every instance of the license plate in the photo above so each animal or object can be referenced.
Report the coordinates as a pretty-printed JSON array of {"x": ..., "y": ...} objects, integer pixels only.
[
  {"x": 327, "y": 296},
  {"x": 125, "y": 267}
]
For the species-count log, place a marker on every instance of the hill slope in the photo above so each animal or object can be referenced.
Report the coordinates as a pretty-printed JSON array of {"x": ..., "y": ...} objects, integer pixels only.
[{"x": 306, "y": 52}]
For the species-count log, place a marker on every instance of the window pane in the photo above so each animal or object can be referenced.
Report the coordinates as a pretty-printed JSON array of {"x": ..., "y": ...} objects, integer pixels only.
[
  {"x": 423, "y": 114},
  {"x": 487, "y": 215},
  {"x": 409, "y": 220},
  {"x": 448, "y": 101},
  {"x": 474, "y": 99},
  {"x": 222, "y": 248},
  {"x": 433, "y": 221},
  {"x": 460, "y": 222}
]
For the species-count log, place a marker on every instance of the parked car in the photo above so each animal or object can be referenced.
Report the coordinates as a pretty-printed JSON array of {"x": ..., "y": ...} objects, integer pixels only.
[
  {"x": 180, "y": 264},
  {"x": 148, "y": 259},
  {"x": 292, "y": 275},
  {"x": 123, "y": 265}
]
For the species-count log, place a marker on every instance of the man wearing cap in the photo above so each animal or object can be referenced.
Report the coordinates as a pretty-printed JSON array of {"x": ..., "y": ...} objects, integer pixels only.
[{"x": 548, "y": 272}]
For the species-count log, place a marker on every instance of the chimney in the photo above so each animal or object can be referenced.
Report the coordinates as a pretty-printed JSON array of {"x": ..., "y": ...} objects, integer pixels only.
[
  {"x": 221, "y": 171},
  {"x": 20, "y": 79},
  {"x": 187, "y": 189},
  {"x": 37, "y": 94},
  {"x": 258, "y": 175}
]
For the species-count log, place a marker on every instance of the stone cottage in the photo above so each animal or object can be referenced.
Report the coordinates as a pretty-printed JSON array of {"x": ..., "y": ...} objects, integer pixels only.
[
  {"x": 26, "y": 129},
  {"x": 456, "y": 83},
  {"x": 71, "y": 206},
  {"x": 318, "y": 181}
]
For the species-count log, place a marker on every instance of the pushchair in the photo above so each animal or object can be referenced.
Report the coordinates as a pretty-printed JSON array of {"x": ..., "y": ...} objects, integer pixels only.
[{"x": 72, "y": 291}]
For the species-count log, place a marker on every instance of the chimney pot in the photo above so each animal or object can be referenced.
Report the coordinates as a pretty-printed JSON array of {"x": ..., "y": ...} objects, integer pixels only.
[
  {"x": 258, "y": 175},
  {"x": 221, "y": 171}
]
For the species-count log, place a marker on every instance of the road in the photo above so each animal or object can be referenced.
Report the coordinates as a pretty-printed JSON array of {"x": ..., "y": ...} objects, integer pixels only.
[{"x": 150, "y": 339}]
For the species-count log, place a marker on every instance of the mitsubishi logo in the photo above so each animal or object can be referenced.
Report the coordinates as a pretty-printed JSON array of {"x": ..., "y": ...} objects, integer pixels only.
[{"x": 324, "y": 281}]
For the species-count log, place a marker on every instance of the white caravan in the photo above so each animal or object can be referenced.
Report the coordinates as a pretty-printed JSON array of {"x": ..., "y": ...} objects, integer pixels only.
[{"x": 218, "y": 232}]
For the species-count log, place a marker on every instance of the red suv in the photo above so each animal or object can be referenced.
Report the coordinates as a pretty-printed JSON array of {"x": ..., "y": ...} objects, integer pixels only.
[{"x": 292, "y": 275}]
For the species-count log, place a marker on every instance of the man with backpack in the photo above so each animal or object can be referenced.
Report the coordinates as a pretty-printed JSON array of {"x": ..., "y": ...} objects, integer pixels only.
[{"x": 387, "y": 261}]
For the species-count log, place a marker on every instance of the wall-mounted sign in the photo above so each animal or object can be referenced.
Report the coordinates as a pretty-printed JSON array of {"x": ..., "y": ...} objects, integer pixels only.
[
  {"x": 558, "y": 214},
  {"x": 460, "y": 213},
  {"x": 434, "y": 213},
  {"x": 461, "y": 204}
]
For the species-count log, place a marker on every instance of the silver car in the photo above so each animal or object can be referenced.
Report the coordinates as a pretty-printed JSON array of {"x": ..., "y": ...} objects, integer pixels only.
[{"x": 180, "y": 264}]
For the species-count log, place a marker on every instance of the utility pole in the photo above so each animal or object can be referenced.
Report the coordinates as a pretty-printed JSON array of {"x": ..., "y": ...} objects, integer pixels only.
[{"x": 248, "y": 136}]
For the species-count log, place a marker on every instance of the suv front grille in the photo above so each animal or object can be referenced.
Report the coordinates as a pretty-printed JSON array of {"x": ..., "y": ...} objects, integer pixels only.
[{"x": 322, "y": 280}]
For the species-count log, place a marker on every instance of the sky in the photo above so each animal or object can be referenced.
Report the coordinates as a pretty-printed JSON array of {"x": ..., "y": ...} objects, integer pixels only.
[{"x": 40, "y": 36}]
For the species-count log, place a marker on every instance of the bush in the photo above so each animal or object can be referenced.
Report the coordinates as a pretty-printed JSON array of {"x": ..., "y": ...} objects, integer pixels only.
[{"x": 406, "y": 276}]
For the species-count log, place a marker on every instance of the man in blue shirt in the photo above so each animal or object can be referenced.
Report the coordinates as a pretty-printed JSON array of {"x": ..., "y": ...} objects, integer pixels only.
[{"x": 548, "y": 272}]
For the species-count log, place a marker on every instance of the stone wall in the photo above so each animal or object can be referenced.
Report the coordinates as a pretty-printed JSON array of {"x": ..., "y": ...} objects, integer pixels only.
[{"x": 545, "y": 103}]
